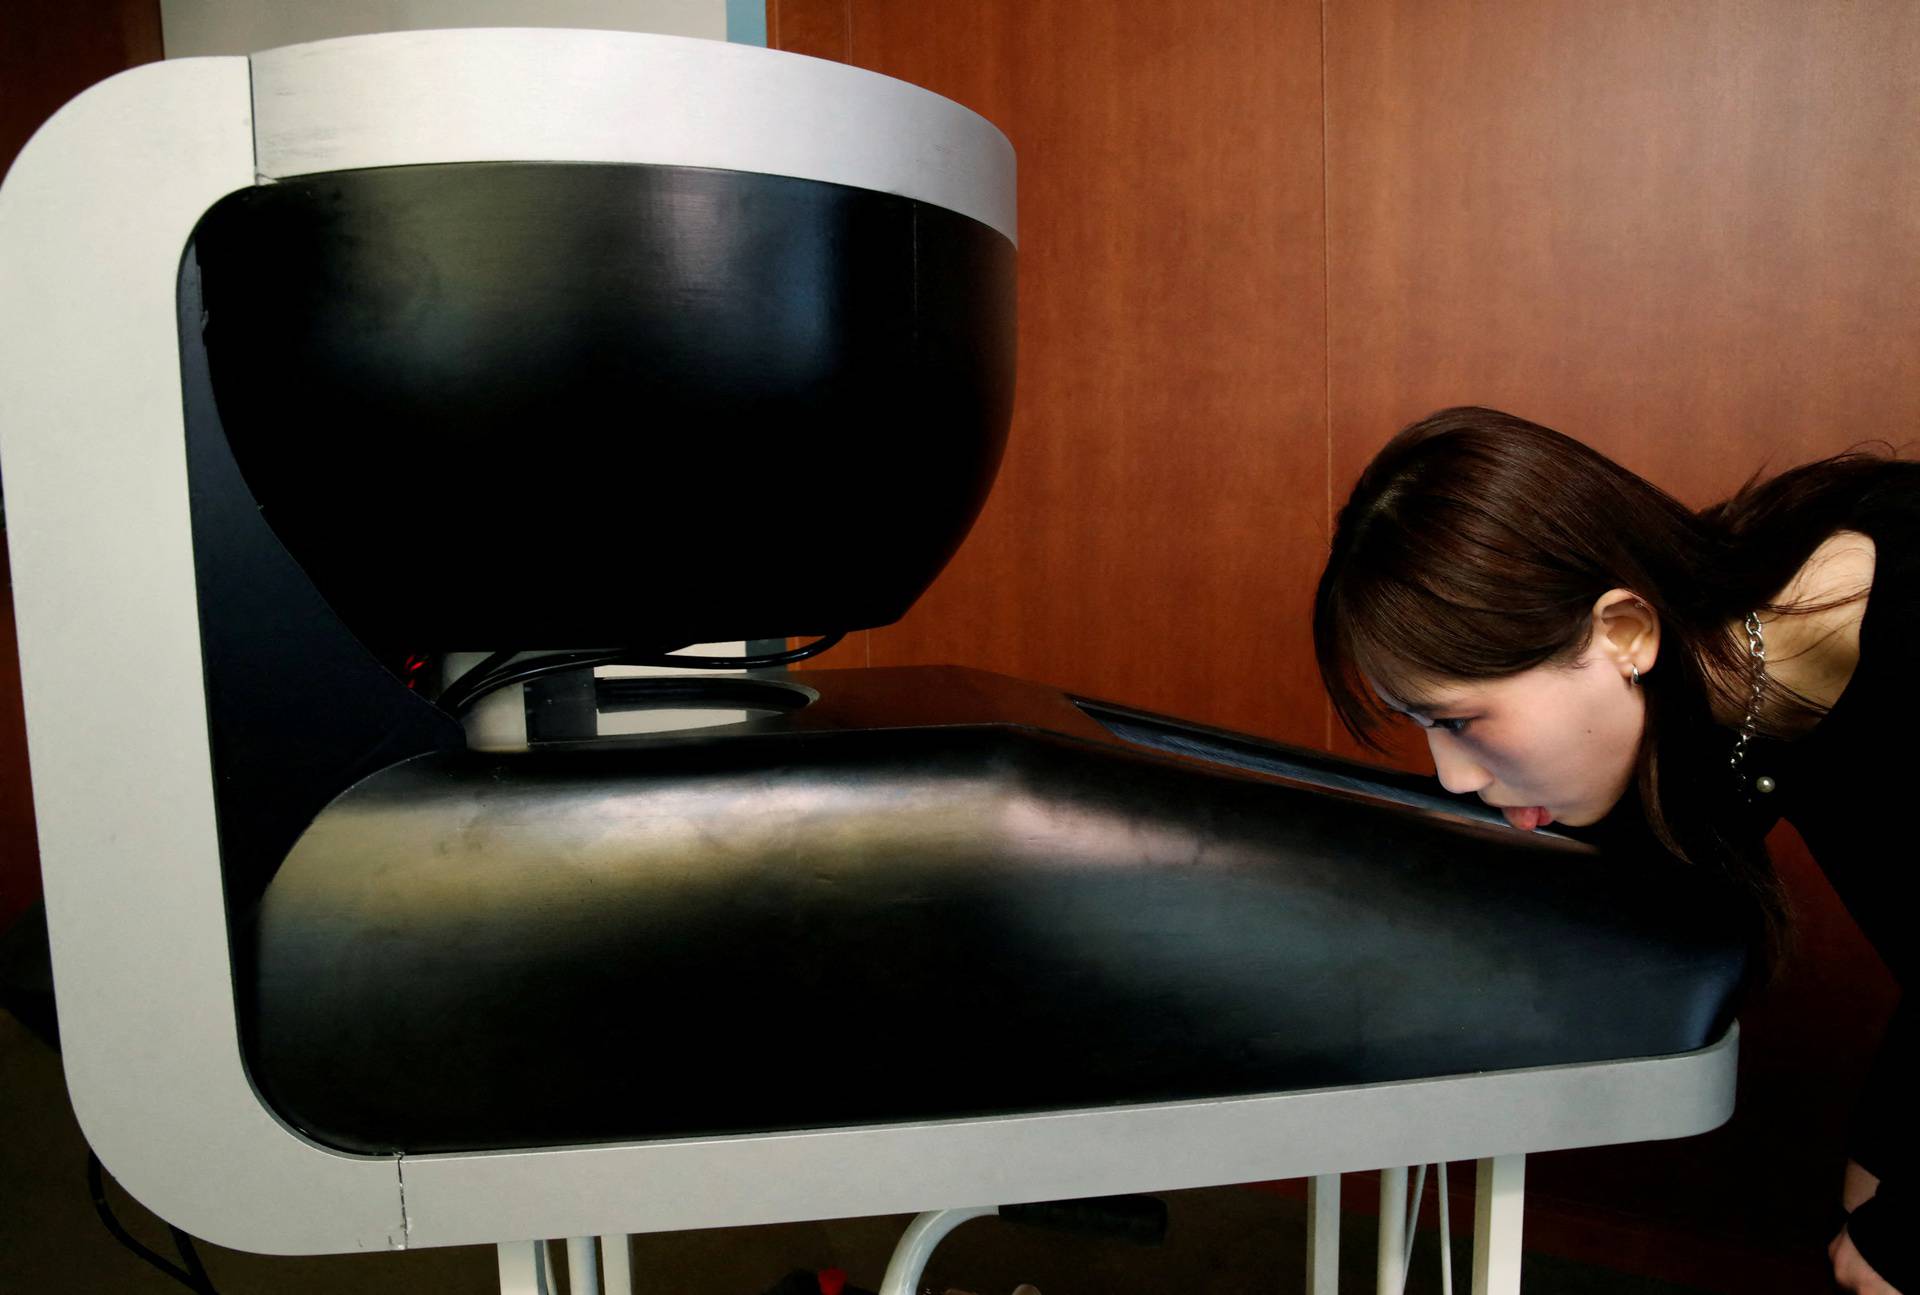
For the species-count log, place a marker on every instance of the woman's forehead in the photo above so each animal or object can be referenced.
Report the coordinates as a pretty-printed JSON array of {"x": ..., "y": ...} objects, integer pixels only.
[
  {"x": 1418, "y": 694},
  {"x": 1422, "y": 693}
]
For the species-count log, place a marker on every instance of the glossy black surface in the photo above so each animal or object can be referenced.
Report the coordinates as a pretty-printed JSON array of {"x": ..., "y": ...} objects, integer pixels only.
[
  {"x": 498, "y": 405},
  {"x": 930, "y": 893},
  {"x": 298, "y": 709}
]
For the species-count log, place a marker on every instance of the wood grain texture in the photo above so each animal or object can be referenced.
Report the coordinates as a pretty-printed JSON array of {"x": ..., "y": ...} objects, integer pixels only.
[
  {"x": 51, "y": 50},
  {"x": 1161, "y": 513},
  {"x": 1689, "y": 232},
  {"x": 820, "y": 28}
]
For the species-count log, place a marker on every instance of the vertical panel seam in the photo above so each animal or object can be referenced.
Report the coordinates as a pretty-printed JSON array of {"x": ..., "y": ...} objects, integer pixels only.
[{"x": 1326, "y": 302}]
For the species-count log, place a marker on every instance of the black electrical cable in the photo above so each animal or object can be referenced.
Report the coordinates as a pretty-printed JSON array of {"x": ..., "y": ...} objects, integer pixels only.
[
  {"x": 766, "y": 661},
  {"x": 496, "y": 672},
  {"x": 193, "y": 1276},
  {"x": 500, "y": 669}
]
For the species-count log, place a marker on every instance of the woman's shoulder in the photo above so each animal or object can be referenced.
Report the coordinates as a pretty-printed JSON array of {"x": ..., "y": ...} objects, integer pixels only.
[
  {"x": 1862, "y": 584},
  {"x": 1842, "y": 565},
  {"x": 1816, "y": 651}
]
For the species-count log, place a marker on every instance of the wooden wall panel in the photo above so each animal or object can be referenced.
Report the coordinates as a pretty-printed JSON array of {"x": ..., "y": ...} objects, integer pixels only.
[
  {"x": 1688, "y": 234},
  {"x": 1161, "y": 513},
  {"x": 51, "y": 50},
  {"x": 820, "y": 28}
]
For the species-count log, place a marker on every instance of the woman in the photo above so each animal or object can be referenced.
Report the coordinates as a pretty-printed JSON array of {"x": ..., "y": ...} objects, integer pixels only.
[{"x": 1580, "y": 649}]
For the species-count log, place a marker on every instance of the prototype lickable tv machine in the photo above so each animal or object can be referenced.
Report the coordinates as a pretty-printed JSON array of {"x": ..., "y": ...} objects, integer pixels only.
[{"x": 324, "y": 363}]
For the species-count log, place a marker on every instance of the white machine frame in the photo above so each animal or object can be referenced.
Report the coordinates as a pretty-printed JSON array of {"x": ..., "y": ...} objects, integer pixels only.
[{"x": 93, "y": 221}]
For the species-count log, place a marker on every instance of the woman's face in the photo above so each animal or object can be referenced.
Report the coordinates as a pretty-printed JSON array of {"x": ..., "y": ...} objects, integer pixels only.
[{"x": 1556, "y": 743}]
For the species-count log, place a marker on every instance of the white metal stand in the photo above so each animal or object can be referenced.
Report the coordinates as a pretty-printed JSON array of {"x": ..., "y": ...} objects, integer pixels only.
[
  {"x": 1501, "y": 1201},
  {"x": 526, "y": 1267},
  {"x": 1391, "y": 1265},
  {"x": 523, "y": 1268},
  {"x": 1323, "y": 1235},
  {"x": 616, "y": 1266},
  {"x": 916, "y": 1247},
  {"x": 583, "y": 1266},
  {"x": 1500, "y": 1198}
]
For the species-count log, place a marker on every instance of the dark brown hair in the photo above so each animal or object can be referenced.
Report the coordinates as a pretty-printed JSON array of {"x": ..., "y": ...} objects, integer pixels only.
[{"x": 1475, "y": 545}]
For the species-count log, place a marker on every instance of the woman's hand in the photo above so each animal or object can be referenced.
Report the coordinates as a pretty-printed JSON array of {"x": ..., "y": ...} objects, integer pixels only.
[{"x": 1851, "y": 1272}]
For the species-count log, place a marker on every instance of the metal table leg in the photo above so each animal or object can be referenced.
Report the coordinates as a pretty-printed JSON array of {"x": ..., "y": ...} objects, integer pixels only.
[
  {"x": 1391, "y": 1266},
  {"x": 523, "y": 1268},
  {"x": 1500, "y": 1199},
  {"x": 1323, "y": 1235},
  {"x": 616, "y": 1264}
]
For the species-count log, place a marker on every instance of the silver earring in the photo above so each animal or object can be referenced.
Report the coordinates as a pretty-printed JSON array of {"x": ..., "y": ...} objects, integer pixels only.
[{"x": 1634, "y": 681}]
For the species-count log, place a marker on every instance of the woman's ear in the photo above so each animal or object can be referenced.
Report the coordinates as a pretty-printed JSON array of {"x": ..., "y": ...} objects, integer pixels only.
[{"x": 1626, "y": 631}]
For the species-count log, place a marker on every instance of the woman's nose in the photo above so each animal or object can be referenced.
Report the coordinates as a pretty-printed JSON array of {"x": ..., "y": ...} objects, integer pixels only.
[{"x": 1458, "y": 774}]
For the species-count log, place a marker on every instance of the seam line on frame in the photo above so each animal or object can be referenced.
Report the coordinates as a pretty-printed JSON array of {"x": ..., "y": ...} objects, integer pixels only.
[
  {"x": 406, "y": 1219},
  {"x": 253, "y": 122}
]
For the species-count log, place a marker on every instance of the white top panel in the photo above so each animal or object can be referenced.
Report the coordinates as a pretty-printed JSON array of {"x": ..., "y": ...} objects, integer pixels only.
[
  {"x": 540, "y": 95},
  {"x": 198, "y": 28}
]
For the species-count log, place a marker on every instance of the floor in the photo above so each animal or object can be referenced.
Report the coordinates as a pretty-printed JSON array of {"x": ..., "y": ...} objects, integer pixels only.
[{"x": 1228, "y": 1239}]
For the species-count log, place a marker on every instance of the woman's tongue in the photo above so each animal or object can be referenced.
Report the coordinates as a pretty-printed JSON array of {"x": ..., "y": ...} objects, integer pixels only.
[{"x": 1528, "y": 819}]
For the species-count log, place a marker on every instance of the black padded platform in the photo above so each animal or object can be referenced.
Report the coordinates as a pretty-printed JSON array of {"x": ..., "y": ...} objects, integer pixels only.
[{"x": 931, "y": 893}]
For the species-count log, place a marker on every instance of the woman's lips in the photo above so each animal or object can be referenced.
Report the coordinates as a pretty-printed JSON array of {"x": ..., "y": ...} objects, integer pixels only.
[{"x": 1529, "y": 818}]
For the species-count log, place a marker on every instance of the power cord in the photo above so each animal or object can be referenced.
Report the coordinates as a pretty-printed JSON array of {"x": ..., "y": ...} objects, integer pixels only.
[{"x": 193, "y": 1275}]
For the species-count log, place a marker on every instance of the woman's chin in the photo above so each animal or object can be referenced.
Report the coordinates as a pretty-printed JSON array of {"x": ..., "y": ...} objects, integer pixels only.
[{"x": 1593, "y": 811}]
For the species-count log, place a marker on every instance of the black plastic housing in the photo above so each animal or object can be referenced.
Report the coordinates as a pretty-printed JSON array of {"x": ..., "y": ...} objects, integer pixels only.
[{"x": 509, "y": 404}]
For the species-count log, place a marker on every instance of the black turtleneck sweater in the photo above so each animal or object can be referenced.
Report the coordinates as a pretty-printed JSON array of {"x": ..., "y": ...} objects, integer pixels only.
[{"x": 1846, "y": 786}]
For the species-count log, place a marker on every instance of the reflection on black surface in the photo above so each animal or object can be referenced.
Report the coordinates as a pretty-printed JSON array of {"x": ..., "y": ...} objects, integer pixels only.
[{"x": 1244, "y": 753}]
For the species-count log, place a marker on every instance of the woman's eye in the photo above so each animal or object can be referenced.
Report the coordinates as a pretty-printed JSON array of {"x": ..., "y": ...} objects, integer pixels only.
[{"x": 1449, "y": 725}]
